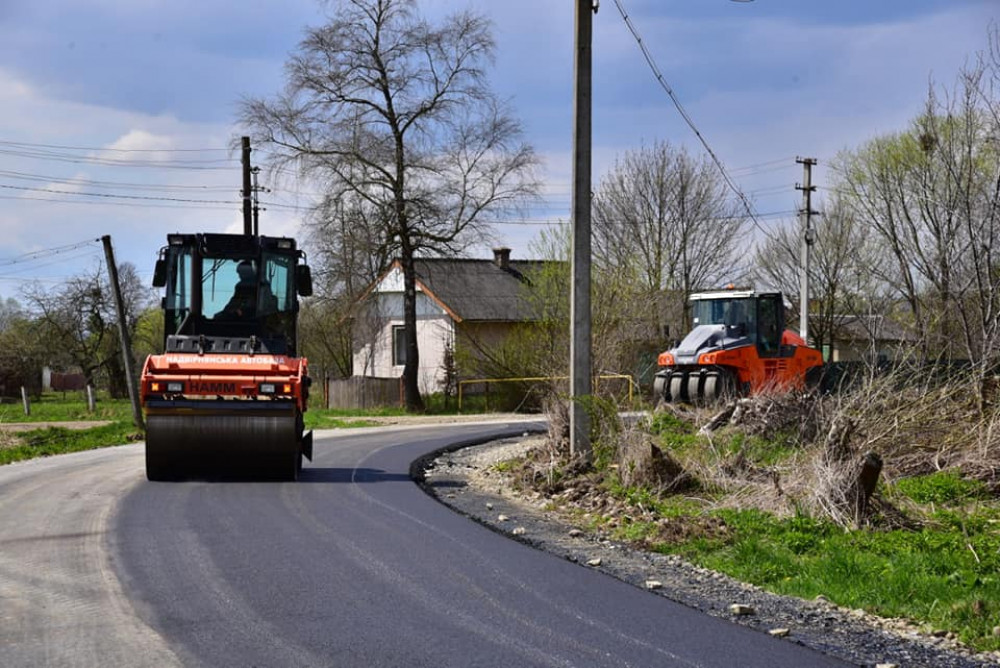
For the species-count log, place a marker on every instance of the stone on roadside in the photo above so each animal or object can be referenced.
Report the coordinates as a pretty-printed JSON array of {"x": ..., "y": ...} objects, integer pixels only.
[
  {"x": 575, "y": 533},
  {"x": 596, "y": 561},
  {"x": 489, "y": 506},
  {"x": 653, "y": 584},
  {"x": 886, "y": 665},
  {"x": 741, "y": 609},
  {"x": 502, "y": 518},
  {"x": 779, "y": 633},
  {"x": 519, "y": 531}
]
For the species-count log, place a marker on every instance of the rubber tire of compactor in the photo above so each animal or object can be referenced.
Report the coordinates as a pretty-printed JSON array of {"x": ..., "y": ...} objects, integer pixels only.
[
  {"x": 191, "y": 445},
  {"x": 697, "y": 385}
]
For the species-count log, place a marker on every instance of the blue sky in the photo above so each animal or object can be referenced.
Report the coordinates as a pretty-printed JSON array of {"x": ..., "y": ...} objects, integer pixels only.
[{"x": 130, "y": 85}]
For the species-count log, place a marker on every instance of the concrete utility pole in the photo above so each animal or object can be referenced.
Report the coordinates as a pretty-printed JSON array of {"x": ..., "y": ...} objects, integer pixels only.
[
  {"x": 580, "y": 338},
  {"x": 116, "y": 289},
  {"x": 808, "y": 239},
  {"x": 256, "y": 202},
  {"x": 247, "y": 190}
]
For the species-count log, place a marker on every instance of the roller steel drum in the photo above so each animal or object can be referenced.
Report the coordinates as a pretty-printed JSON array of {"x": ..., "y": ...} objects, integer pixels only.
[{"x": 259, "y": 440}]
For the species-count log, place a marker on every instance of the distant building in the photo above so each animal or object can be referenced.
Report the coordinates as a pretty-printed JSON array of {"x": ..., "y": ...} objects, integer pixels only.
[
  {"x": 458, "y": 301},
  {"x": 868, "y": 338}
]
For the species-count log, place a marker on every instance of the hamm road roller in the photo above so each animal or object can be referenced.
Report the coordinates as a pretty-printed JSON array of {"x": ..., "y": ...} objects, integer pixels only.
[
  {"x": 228, "y": 395},
  {"x": 739, "y": 346}
]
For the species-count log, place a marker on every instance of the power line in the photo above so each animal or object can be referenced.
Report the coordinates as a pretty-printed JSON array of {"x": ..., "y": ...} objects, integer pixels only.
[
  {"x": 687, "y": 119},
  {"x": 199, "y": 165},
  {"x": 54, "y": 262},
  {"x": 5, "y": 142},
  {"x": 105, "y": 202},
  {"x": 45, "y": 253},
  {"x": 768, "y": 163},
  {"x": 27, "y": 176},
  {"x": 766, "y": 170},
  {"x": 113, "y": 196}
]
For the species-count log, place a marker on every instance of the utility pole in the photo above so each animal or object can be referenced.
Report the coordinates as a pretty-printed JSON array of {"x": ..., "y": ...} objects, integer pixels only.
[
  {"x": 256, "y": 202},
  {"x": 126, "y": 342},
  {"x": 580, "y": 336},
  {"x": 808, "y": 239},
  {"x": 247, "y": 190}
]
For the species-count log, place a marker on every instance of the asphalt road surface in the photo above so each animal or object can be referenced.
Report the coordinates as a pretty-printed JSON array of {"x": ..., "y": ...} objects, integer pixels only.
[{"x": 352, "y": 566}]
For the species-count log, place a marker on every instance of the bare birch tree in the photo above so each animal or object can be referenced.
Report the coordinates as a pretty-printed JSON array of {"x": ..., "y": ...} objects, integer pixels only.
[{"x": 384, "y": 106}]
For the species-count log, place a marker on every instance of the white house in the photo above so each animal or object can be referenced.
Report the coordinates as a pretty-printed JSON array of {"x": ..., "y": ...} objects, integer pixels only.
[{"x": 456, "y": 298}]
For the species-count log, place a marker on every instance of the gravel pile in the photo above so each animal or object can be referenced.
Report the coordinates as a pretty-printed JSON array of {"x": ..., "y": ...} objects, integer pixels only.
[{"x": 468, "y": 481}]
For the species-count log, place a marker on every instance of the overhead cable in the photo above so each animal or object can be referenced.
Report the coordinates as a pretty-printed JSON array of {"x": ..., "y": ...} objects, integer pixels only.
[{"x": 687, "y": 118}]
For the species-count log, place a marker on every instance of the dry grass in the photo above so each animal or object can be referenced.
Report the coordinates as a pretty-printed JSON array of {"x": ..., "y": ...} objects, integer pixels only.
[{"x": 792, "y": 453}]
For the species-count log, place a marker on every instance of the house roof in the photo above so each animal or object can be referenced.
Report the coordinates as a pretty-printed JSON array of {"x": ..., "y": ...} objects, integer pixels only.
[
  {"x": 476, "y": 290},
  {"x": 864, "y": 327},
  {"x": 479, "y": 289}
]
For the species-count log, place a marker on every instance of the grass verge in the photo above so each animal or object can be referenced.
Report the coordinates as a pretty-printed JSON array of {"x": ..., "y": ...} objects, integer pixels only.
[
  {"x": 66, "y": 406},
  {"x": 944, "y": 577},
  {"x": 935, "y": 561},
  {"x": 49, "y": 441}
]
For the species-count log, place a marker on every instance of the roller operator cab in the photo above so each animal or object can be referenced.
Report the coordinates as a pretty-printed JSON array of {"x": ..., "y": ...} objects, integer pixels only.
[
  {"x": 228, "y": 395},
  {"x": 739, "y": 346}
]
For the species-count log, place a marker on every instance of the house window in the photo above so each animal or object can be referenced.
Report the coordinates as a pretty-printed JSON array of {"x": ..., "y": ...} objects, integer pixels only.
[{"x": 398, "y": 345}]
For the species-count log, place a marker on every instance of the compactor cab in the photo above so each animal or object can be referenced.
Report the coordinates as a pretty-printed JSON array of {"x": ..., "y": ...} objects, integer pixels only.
[
  {"x": 739, "y": 345},
  {"x": 227, "y": 292},
  {"x": 229, "y": 393}
]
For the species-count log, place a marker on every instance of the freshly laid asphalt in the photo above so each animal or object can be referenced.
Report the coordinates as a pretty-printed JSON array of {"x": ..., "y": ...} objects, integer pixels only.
[{"x": 354, "y": 565}]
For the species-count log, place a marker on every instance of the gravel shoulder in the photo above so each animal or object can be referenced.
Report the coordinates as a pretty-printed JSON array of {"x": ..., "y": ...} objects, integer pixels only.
[{"x": 469, "y": 481}]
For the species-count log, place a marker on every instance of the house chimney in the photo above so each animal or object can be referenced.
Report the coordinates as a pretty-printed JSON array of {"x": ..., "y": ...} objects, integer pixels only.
[{"x": 501, "y": 258}]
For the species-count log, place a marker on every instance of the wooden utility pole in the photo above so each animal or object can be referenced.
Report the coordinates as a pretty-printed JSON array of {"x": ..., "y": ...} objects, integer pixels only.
[
  {"x": 580, "y": 336},
  {"x": 808, "y": 239},
  {"x": 133, "y": 394},
  {"x": 247, "y": 190}
]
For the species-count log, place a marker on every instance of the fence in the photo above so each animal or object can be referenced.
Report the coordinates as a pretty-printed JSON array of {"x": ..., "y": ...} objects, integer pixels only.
[
  {"x": 486, "y": 382},
  {"x": 364, "y": 392}
]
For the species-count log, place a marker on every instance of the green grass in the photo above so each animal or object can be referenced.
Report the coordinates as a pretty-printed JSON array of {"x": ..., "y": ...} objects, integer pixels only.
[
  {"x": 59, "y": 440},
  {"x": 326, "y": 419},
  {"x": 945, "y": 576},
  {"x": 68, "y": 406},
  {"x": 942, "y": 487}
]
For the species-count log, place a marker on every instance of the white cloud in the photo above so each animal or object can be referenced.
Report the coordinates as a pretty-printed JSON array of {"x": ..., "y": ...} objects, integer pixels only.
[{"x": 124, "y": 144}]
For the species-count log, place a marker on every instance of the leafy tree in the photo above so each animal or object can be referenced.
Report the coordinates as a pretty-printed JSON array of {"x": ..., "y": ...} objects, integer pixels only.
[
  {"x": 394, "y": 112},
  {"x": 79, "y": 322},
  {"x": 22, "y": 350},
  {"x": 147, "y": 338}
]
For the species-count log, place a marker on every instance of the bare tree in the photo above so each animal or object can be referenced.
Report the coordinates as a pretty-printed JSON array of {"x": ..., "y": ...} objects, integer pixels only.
[
  {"x": 840, "y": 278},
  {"x": 381, "y": 105},
  {"x": 347, "y": 234},
  {"x": 931, "y": 196},
  {"x": 668, "y": 217}
]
